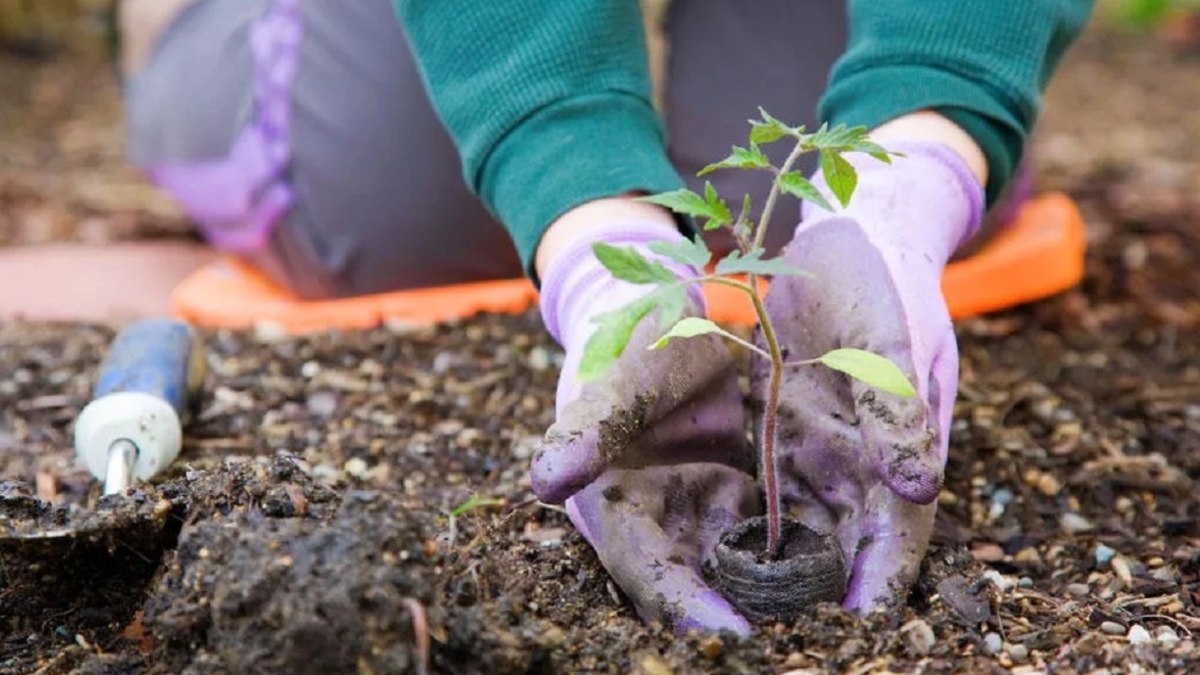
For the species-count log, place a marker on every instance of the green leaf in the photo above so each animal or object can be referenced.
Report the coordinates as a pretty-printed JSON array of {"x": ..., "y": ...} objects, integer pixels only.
[
  {"x": 689, "y": 251},
  {"x": 847, "y": 139},
  {"x": 841, "y": 137},
  {"x": 670, "y": 301},
  {"x": 709, "y": 205},
  {"x": 761, "y": 133},
  {"x": 752, "y": 263},
  {"x": 475, "y": 502},
  {"x": 691, "y": 327},
  {"x": 680, "y": 201},
  {"x": 629, "y": 265},
  {"x": 614, "y": 329},
  {"x": 875, "y": 150},
  {"x": 717, "y": 208},
  {"x": 612, "y": 335},
  {"x": 768, "y": 129},
  {"x": 870, "y": 368},
  {"x": 1143, "y": 13},
  {"x": 839, "y": 175},
  {"x": 797, "y": 185},
  {"x": 740, "y": 158}
]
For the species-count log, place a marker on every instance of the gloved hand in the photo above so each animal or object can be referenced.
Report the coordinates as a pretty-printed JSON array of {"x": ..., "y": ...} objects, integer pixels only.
[
  {"x": 653, "y": 454},
  {"x": 865, "y": 464}
]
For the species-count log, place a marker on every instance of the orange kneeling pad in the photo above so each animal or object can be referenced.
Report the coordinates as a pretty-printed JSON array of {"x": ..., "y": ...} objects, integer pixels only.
[{"x": 1038, "y": 255}]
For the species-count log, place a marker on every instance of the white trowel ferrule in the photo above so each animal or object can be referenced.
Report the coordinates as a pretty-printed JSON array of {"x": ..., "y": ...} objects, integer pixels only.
[{"x": 133, "y": 427}]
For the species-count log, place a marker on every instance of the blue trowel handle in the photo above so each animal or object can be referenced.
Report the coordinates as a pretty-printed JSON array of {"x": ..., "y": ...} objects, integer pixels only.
[
  {"x": 133, "y": 427},
  {"x": 159, "y": 357}
]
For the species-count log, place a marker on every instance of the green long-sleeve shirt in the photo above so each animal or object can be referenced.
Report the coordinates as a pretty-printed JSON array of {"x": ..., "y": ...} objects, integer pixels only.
[{"x": 549, "y": 102}]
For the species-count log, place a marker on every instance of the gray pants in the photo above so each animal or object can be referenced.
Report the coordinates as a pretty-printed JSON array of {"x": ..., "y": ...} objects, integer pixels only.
[{"x": 377, "y": 197}]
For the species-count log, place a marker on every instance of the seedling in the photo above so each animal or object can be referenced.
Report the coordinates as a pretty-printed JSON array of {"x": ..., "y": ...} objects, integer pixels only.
[
  {"x": 475, "y": 502},
  {"x": 741, "y": 269}
]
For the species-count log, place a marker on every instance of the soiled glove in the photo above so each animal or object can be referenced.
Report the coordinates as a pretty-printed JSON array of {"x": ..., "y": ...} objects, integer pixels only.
[
  {"x": 866, "y": 464},
  {"x": 653, "y": 454},
  {"x": 668, "y": 406}
]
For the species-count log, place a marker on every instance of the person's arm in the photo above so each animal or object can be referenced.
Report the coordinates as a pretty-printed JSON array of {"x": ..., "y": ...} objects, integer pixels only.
[
  {"x": 981, "y": 64},
  {"x": 549, "y": 105}
]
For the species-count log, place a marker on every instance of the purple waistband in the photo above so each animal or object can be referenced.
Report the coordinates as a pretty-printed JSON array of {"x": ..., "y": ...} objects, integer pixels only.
[{"x": 237, "y": 200}]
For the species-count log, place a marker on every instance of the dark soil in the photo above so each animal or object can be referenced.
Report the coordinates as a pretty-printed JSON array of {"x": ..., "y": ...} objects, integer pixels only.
[{"x": 308, "y": 522}]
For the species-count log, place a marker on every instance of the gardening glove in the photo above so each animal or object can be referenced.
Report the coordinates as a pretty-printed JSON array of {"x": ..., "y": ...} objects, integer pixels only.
[
  {"x": 667, "y": 406},
  {"x": 863, "y": 463},
  {"x": 652, "y": 454},
  {"x": 655, "y": 529}
]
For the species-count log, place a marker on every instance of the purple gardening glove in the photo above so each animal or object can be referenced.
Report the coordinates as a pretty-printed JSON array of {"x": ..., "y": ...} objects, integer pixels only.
[
  {"x": 652, "y": 455},
  {"x": 866, "y": 464}
]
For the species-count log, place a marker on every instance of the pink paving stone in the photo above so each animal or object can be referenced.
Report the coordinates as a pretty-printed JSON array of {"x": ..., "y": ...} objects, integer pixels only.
[{"x": 78, "y": 282}]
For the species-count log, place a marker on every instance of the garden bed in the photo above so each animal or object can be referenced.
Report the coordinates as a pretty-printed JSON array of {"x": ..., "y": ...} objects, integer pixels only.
[{"x": 360, "y": 501}]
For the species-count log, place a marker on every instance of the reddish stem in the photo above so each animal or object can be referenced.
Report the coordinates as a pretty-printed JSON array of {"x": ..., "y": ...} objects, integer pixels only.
[
  {"x": 770, "y": 421},
  {"x": 770, "y": 470}
]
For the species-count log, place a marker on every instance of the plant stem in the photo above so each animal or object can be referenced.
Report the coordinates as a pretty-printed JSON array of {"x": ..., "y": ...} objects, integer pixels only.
[
  {"x": 760, "y": 232},
  {"x": 771, "y": 411},
  {"x": 770, "y": 421}
]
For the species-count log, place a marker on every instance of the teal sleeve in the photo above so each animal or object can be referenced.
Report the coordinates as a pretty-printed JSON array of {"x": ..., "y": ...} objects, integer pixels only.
[
  {"x": 548, "y": 102},
  {"x": 982, "y": 63}
]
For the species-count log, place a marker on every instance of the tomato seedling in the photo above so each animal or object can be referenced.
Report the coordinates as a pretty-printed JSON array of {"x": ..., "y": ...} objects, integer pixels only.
[{"x": 741, "y": 269}]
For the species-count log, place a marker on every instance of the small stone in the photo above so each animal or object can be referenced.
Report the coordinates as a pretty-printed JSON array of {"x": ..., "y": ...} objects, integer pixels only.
[
  {"x": 992, "y": 644},
  {"x": 1001, "y": 582},
  {"x": 1166, "y": 636},
  {"x": 269, "y": 331},
  {"x": 1025, "y": 582},
  {"x": 1123, "y": 504},
  {"x": 1028, "y": 556},
  {"x": 919, "y": 636},
  {"x": 1163, "y": 574},
  {"x": 356, "y": 467},
  {"x": 986, "y": 551},
  {"x": 321, "y": 403},
  {"x": 1103, "y": 555},
  {"x": 794, "y": 660},
  {"x": 552, "y": 637},
  {"x": 711, "y": 647},
  {"x": 1073, "y": 523},
  {"x": 547, "y": 537},
  {"x": 1112, "y": 628},
  {"x": 1121, "y": 568},
  {"x": 1138, "y": 635},
  {"x": 1018, "y": 652},
  {"x": 326, "y": 473},
  {"x": 851, "y": 649},
  {"x": 652, "y": 665},
  {"x": 539, "y": 358},
  {"x": 1154, "y": 561},
  {"x": 964, "y": 597},
  {"x": 1002, "y": 496},
  {"x": 1078, "y": 590},
  {"x": 1048, "y": 485}
]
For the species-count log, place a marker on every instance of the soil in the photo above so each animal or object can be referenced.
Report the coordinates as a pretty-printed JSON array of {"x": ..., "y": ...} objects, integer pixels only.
[{"x": 321, "y": 517}]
